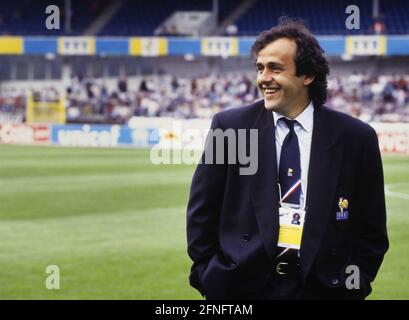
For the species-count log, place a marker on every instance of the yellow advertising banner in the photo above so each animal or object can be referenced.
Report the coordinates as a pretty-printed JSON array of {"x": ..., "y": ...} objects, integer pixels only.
[
  {"x": 11, "y": 45},
  {"x": 45, "y": 111},
  {"x": 148, "y": 46}
]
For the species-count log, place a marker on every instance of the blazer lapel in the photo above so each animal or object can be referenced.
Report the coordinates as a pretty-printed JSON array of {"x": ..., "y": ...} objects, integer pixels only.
[
  {"x": 323, "y": 175},
  {"x": 264, "y": 186}
]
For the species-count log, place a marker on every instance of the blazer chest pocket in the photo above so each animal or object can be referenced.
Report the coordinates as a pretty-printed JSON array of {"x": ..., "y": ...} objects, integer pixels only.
[{"x": 342, "y": 209}]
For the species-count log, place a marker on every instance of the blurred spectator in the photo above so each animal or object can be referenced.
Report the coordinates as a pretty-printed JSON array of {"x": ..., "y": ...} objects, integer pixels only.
[
  {"x": 231, "y": 30},
  {"x": 370, "y": 98},
  {"x": 379, "y": 26}
]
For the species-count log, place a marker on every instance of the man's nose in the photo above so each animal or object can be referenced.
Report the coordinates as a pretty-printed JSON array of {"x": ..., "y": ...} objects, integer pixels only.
[{"x": 265, "y": 77}]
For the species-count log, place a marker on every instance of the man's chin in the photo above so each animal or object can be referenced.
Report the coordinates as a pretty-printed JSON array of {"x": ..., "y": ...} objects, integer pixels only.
[{"x": 271, "y": 106}]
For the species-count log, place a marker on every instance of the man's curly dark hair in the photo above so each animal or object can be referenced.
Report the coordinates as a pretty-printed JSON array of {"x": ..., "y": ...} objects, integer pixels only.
[{"x": 310, "y": 58}]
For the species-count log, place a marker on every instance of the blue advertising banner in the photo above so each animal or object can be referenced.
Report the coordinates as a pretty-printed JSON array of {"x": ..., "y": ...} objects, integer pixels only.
[
  {"x": 103, "y": 136},
  {"x": 207, "y": 46}
]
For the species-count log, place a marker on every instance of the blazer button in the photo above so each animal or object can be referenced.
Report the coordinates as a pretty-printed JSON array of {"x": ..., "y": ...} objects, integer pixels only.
[
  {"x": 333, "y": 252},
  {"x": 335, "y": 281},
  {"x": 233, "y": 263},
  {"x": 246, "y": 237}
]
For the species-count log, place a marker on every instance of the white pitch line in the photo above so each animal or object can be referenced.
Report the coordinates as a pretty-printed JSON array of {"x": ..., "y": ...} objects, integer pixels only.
[
  {"x": 394, "y": 194},
  {"x": 397, "y": 194},
  {"x": 399, "y": 184}
]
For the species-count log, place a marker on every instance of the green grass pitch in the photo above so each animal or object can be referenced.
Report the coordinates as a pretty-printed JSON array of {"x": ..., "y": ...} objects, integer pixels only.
[{"x": 114, "y": 224}]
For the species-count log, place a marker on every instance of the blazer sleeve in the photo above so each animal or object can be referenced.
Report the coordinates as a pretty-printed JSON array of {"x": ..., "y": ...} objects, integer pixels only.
[
  {"x": 203, "y": 210},
  {"x": 370, "y": 227}
]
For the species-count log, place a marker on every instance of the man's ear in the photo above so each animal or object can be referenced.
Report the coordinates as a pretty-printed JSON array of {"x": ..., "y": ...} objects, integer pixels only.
[{"x": 308, "y": 80}]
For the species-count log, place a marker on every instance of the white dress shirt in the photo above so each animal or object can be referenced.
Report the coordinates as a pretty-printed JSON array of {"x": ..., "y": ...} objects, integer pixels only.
[{"x": 303, "y": 129}]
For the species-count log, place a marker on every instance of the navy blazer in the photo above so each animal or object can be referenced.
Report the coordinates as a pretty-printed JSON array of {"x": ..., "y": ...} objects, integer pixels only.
[{"x": 232, "y": 219}]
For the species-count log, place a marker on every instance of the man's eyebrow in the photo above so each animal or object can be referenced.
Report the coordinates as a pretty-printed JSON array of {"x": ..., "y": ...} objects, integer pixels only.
[{"x": 270, "y": 64}]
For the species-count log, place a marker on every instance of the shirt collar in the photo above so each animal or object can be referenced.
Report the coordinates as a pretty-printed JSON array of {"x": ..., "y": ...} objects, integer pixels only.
[{"x": 305, "y": 118}]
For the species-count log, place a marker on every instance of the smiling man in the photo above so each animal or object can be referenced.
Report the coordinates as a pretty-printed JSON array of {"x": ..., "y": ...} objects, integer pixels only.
[
  {"x": 311, "y": 223},
  {"x": 284, "y": 90}
]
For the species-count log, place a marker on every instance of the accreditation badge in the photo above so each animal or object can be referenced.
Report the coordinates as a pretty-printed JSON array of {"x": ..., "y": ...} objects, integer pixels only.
[{"x": 291, "y": 226}]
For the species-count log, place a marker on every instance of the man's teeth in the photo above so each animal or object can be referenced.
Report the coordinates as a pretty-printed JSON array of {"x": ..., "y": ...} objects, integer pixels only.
[{"x": 271, "y": 90}]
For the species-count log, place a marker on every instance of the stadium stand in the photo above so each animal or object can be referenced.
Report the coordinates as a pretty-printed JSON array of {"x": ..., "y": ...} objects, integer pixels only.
[
  {"x": 395, "y": 16},
  {"x": 21, "y": 17},
  {"x": 374, "y": 94},
  {"x": 371, "y": 98},
  {"x": 323, "y": 17},
  {"x": 131, "y": 20}
]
